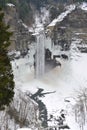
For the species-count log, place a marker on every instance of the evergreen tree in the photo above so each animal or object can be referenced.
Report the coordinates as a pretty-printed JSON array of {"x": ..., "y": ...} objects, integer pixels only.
[
  {"x": 6, "y": 76},
  {"x": 4, "y": 2}
]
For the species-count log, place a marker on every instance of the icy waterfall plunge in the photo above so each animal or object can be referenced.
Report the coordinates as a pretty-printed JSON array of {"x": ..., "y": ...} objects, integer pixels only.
[{"x": 40, "y": 55}]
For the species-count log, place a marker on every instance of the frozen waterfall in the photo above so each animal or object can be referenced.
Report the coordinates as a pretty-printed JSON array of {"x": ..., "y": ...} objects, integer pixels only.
[{"x": 40, "y": 55}]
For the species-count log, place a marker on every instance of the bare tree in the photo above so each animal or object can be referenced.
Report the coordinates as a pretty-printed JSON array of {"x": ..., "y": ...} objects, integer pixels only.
[{"x": 81, "y": 108}]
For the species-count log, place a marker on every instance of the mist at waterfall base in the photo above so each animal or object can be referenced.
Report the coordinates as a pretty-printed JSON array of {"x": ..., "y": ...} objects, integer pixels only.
[{"x": 42, "y": 65}]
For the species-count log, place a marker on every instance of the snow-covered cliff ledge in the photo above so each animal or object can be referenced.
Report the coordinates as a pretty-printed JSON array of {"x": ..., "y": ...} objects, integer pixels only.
[
  {"x": 10, "y": 5},
  {"x": 83, "y": 6},
  {"x": 24, "y": 129},
  {"x": 62, "y": 16}
]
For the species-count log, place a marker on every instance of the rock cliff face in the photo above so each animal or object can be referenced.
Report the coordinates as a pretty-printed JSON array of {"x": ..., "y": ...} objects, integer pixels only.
[
  {"x": 11, "y": 20},
  {"x": 20, "y": 38},
  {"x": 22, "y": 112},
  {"x": 73, "y": 25},
  {"x": 77, "y": 19}
]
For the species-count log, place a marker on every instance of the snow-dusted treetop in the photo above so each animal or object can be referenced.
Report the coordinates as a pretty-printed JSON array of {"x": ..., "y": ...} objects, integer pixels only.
[
  {"x": 83, "y": 6},
  {"x": 62, "y": 15},
  {"x": 10, "y": 4}
]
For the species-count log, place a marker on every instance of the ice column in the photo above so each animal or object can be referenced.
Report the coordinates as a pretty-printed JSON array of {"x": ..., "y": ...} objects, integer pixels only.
[{"x": 40, "y": 55}]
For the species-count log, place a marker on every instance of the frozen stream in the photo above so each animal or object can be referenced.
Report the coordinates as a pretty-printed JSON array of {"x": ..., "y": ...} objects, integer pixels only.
[{"x": 71, "y": 76}]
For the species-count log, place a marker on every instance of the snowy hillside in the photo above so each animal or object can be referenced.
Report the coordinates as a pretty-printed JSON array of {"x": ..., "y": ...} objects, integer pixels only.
[
  {"x": 62, "y": 15},
  {"x": 59, "y": 79}
]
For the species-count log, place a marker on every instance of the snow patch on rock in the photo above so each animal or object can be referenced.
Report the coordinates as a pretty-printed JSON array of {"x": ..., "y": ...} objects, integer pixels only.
[
  {"x": 10, "y": 4},
  {"x": 24, "y": 129},
  {"x": 62, "y": 15},
  {"x": 83, "y": 6}
]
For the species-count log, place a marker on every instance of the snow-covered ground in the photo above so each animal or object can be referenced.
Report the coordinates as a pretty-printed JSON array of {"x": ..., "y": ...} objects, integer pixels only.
[
  {"x": 65, "y": 80},
  {"x": 83, "y": 6},
  {"x": 10, "y": 4}
]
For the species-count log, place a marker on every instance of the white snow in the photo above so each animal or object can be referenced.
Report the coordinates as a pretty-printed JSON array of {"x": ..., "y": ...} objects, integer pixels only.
[
  {"x": 62, "y": 80},
  {"x": 40, "y": 20},
  {"x": 11, "y": 52},
  {"x": 62, "y": 15},
  {"x": 25, "y": 25},
  {"x": 44, "y": 15},
  {"x": 38, "y": 27},
  {"x": 24, "y": 77},
  {"x": 80, "y": 33},
  {"x": 10, "y": 4},
  {"x": 83, "y": 6},
  {"x": 24, "y": 129},
  {"x": 71, "y": 76},
  {"x": 31, "y": 29}
]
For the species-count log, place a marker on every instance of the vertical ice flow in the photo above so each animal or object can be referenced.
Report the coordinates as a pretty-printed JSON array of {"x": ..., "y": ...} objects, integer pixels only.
[{"x": 40, "y": 55}]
